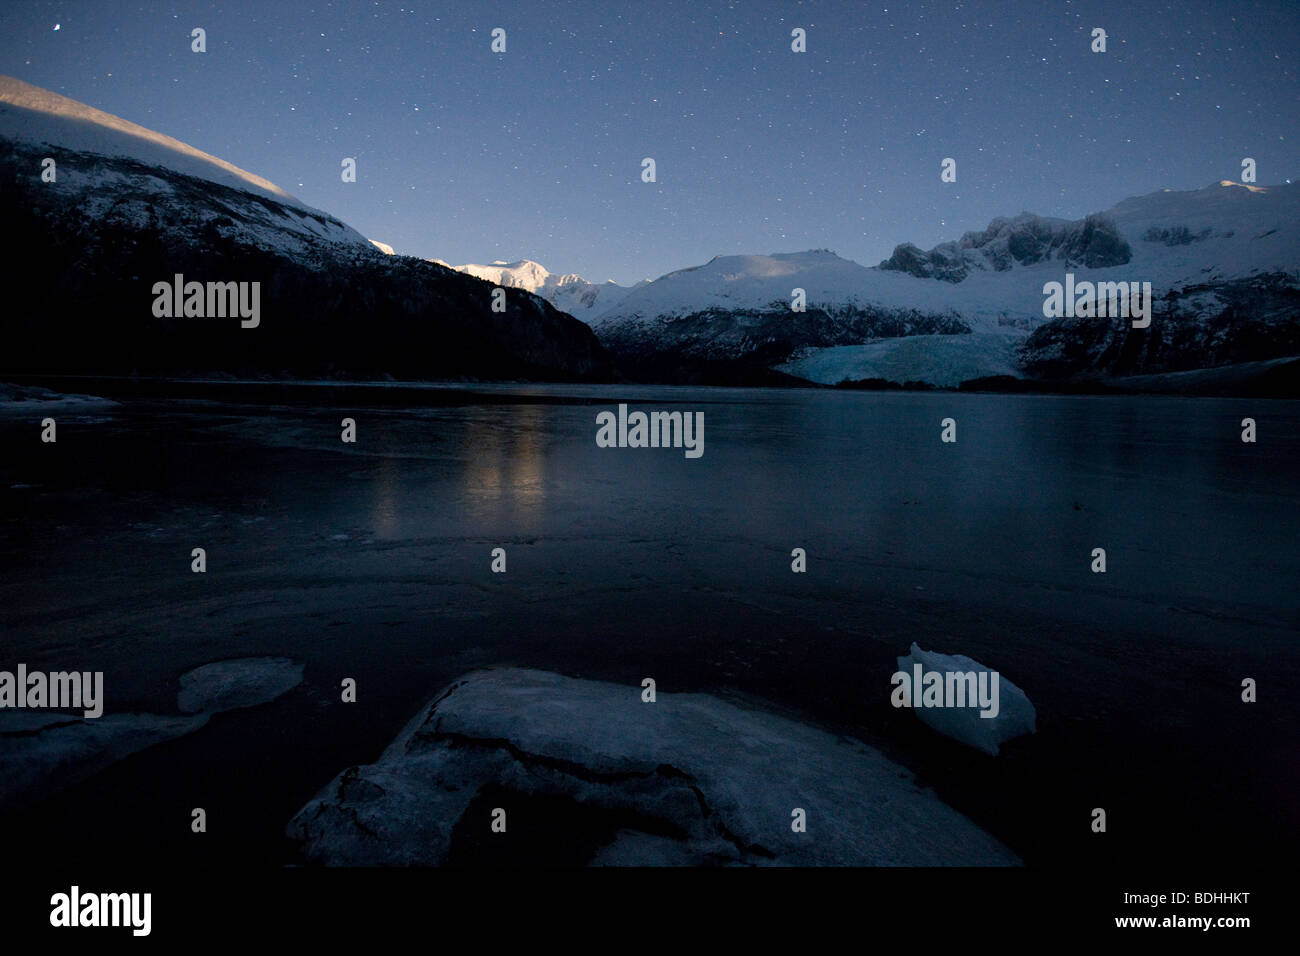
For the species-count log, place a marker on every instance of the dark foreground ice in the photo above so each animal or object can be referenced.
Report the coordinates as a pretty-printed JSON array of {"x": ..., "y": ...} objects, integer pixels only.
[
  {"x": 25, "y": 400},
  {"x": 44, "y": 752},
  {"x": 691, "y": 778}
]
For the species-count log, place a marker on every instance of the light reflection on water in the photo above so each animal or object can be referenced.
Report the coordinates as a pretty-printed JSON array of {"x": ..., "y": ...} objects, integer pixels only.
[
  {"x": 1185, "y": 510},
  {"x": 504, "y": 451}
]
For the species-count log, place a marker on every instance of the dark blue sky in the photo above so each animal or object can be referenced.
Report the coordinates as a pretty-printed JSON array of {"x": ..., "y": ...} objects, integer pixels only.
[{"x": 468, "y": 155}]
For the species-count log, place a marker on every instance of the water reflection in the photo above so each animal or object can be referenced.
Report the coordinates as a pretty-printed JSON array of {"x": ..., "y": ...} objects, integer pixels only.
[
  {"x": 504, "y": 455},
  {"x": 387, "y": 494}
]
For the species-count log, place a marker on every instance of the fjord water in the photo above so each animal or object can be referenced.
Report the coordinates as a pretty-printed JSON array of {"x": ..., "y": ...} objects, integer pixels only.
[{"x": 371, "y": 561}]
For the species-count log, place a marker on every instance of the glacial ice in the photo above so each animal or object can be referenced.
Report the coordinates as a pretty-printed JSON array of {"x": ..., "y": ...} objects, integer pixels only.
[{"x": 941, "y": 360}]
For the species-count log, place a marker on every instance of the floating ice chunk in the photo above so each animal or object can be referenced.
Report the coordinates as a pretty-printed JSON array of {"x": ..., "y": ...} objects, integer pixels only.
[
  {"x": 688, "y": 779},
  {"x": 43, "y": 752},
  {"x": 1010, "y": 712},
  {"x": 245, "y": 682}
]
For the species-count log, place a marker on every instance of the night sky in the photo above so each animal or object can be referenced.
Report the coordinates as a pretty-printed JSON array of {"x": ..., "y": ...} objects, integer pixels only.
[{"x": 468, "y": 155}]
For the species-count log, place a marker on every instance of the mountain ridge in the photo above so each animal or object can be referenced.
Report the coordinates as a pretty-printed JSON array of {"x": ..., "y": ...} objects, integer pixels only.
[
  {"x": 84, "y": 128},
  {"x": 125, "y": 210},
  {"x": 1206, "y": 252}
]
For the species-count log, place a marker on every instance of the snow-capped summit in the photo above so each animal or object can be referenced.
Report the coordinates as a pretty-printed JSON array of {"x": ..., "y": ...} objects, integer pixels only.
[
  {"x": 1226, "y": 230},
  {"x": 114, "y": 165},
  {"x": 767, "y": 282},
  {"x": 569, "y": 292},
  {"x": 35, "y": 115},
  {"x": 523, "y": 274}
]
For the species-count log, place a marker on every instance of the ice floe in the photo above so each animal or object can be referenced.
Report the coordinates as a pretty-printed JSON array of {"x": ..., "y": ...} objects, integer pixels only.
[
  {"x": 226, "y": 685},
  {"x": 690, "y": 778},
  {"x": 44, "y": 752},
  {"x": 1011, "y": 714}
]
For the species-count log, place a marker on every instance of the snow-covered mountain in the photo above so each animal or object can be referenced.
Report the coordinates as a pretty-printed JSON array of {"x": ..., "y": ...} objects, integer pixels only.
[
  {"x": 974, "y": 307},
  {"x": 1224, "y": 263},
  {"x": 569, "y": 292},
  {"x": 123, "y": 191},
  {"x": 123, "y": 207},
  {"x": 736, "y": 311}
]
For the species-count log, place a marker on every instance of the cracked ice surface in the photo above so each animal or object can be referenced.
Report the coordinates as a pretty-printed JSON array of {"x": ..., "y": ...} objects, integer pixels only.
[{"x": 711, "y": 781}]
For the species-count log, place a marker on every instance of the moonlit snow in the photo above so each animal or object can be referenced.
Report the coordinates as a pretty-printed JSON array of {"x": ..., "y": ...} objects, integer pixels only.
[
  {"x": 42, "y": 118},
  {"x": 31, "y": 114},
  {"x": 1015, "y": 716},
  {"x": 692, "y": 780},
  {"x": 568, "y": 292}
]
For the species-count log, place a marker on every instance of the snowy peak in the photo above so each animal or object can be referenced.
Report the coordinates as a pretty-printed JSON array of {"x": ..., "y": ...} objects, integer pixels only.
[
  {"x": 1094, "y": 242},
  {"x": 31, "y": 114},
  {"x": 1221, "y": 205},
  {"x": 741, "y": 267},
  {"x": 766, "y": 284},
  {"x": 1226, "y": 230},
  {"x": 523, "y": 274},
  {"x": 1125, "y": 234},
  {"x": 123, "y": 173},
  {"x": 568, "y": 292},
  {"x": 1254, "y": 189}
]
